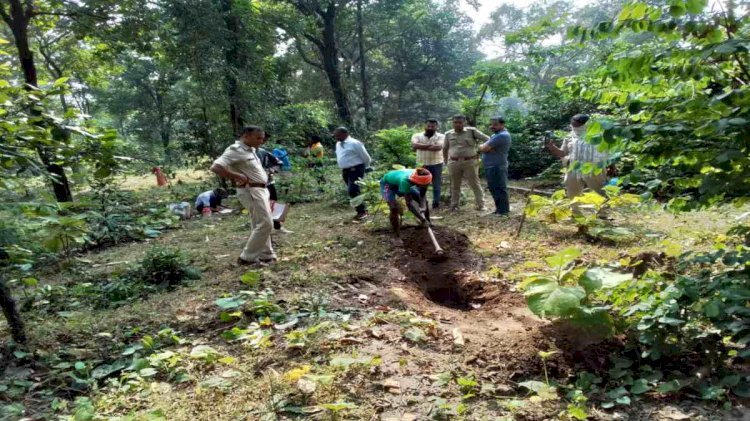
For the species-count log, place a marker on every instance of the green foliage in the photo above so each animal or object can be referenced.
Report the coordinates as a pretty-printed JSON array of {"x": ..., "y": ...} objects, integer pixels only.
[
  {"x": 673, "y": 322},
  {"x": 569, "y": 294},
  {"x": 166, "y": 267},
  {"x": 678, "y": 101},
  {"x": 393, "y": 147},
  {"x": 589, "y": 211},
  {"x": 292, "y": 125}
]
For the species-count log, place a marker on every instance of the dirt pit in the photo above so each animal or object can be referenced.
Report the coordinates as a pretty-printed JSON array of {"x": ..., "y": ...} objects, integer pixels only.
[{"x": 451, "y": 281}]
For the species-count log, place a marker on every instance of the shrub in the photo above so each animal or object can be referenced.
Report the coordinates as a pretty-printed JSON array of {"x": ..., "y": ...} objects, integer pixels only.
[
  {"x": 166, "y": 266},
  {"x": 393, "y": 147},
  {"x": 683, "y": 326}
]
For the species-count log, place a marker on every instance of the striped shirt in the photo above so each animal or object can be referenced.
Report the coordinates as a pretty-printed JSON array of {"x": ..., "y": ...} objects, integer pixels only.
[
  {"x": 425, "y": 157},
  {"x": 580, "y": 152}
]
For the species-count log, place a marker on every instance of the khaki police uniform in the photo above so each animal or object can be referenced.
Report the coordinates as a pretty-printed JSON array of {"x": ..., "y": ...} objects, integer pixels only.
[
  {"x": 254, "y": 197},
  {"x": 460, "y": 152}
]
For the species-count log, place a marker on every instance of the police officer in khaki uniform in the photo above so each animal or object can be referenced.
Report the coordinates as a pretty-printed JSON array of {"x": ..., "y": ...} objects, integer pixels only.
[
  {"x": 240, "y": 163},
  {"x": 460, "y": 152}
]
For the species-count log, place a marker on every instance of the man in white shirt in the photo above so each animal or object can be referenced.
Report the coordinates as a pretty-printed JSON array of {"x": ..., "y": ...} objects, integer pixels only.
[
  {"x": 352, "y": 158},
  {"x": 429, "y": 147}
]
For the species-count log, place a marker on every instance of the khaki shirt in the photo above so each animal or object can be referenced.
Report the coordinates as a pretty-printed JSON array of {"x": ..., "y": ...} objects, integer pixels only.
[
  {"x": 244, "y": 160},
  {"x": 428, "y": 157},
  {"x": 464, "y": 144}
]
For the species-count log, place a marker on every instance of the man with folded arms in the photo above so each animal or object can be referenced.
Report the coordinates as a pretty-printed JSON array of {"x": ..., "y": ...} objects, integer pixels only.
[
  {"x": 460, "y": 152},
  {"x": 429, "y": 147},
  {"x": 240, "y": 163}
]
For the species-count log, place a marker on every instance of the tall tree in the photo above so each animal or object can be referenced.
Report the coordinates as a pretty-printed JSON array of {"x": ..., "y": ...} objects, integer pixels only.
[
  {"x": 321, "y": 32},
  {"x": 235, "y": 59},
  {"x": 364, "y": 83},
  {"x": 18, "y": 16}
]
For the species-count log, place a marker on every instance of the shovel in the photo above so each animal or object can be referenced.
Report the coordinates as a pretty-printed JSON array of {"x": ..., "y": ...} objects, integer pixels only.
[{"x": 439, "y": 252}]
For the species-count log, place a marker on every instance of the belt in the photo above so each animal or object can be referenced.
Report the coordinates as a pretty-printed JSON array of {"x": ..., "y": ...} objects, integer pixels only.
[
  {"x": 463, "y": 158},
  {"x": 353, "y": 167},
  {"x": 249, "y": 185}
]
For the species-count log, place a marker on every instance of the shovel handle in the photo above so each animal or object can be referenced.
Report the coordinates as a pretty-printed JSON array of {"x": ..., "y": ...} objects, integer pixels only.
[{"x": 434, "y": 240}]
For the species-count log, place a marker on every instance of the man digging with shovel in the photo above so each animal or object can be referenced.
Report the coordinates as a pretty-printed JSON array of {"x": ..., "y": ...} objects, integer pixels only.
[{"x": 412, "y": 186}]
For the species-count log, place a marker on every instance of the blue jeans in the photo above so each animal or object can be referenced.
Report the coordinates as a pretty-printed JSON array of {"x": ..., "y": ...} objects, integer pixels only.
[
  {"x": 497, "y": 181},
  {"x": 437, "y": 180}
]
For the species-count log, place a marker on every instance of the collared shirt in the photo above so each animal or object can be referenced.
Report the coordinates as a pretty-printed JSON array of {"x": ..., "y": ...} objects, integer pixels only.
[
  {"x": 242, "y": 159},
  {"x": 351, "y": 152},
  {"x": 580, "y": 152},
  {"x": 463, "y": 144},
  {"x": 498, "y": 156},
  {"x": 425, "y": 157}
]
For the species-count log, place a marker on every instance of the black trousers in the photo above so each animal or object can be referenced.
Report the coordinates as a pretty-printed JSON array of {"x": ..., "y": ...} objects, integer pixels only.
[
  {"x": 274, "y": 195},
  {"x": 351, "y": 175}
]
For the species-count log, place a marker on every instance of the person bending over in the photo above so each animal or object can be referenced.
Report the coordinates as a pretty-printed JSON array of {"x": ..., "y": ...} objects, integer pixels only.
[
  {"x": 411, "y": 184},
  {"x": 210, "y": 199}
]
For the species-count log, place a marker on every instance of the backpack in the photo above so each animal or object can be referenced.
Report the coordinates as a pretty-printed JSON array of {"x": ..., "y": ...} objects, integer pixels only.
[{"x": 283, "y": 156}]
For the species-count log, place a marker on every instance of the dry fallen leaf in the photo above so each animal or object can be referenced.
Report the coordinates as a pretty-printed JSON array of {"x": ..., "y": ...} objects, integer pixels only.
[
  {"x": 375, "y": 333},
  {"x": 458, "y": 338},
  {"x": 392, "y": 386},
  {"x": 306, "y": 386}
]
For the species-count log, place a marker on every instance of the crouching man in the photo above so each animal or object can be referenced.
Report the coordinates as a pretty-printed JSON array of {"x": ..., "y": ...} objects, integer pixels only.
[{"x": 412, "y": 186}]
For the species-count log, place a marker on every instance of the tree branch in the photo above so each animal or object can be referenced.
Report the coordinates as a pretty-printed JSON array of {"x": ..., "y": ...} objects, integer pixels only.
[
  {"x": 318, "y": 43},
  {"x": 303, "y": 55},
  {"x": 29, "y": 10}
]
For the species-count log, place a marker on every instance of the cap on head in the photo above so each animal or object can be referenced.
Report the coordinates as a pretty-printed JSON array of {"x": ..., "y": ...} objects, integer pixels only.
[
  {"x": 421, "y": 177},
  {"x": 497, "y": 119},
  {"x": 581, "y": 119}
]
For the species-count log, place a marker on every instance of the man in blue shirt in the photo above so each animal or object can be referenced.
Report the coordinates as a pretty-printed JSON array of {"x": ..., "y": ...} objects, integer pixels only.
[
  {"x": 352, "y": 158},
  {"x": 495, "y": 160},
  {"x": 210, "y": 199}
]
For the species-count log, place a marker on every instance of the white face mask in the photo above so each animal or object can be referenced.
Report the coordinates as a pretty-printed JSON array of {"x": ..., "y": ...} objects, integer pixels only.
[{"x": 579, "y": 131}]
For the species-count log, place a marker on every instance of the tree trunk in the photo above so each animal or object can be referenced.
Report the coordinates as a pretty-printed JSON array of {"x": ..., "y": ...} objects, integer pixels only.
[
  {"x": 330, "y": 55},
  {"x": 11, "y": 313},
  {"x": 18, "y": 20},
  {"x": 234, "y": 62},
  {"x": 362, "y": 68}
]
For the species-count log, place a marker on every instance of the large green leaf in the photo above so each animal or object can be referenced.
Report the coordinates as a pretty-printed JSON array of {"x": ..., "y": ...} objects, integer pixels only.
[
  {"x": 563, "y": 257},
  {"x": 555, "y": 302},
  {"x": 598, "y": 278}
]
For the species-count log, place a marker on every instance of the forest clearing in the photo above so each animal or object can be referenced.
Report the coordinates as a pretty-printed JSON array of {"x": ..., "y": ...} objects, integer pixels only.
[{"x": 343, "y": 325}]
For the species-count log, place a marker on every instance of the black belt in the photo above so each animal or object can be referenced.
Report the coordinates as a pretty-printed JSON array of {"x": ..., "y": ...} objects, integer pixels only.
[{"x": 248, "y": 185}]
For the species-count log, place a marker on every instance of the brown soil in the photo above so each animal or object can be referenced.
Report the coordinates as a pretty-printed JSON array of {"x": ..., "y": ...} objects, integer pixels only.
[
  {"x": 503, "y": 338},
  {"x": 449, "y": 280}
]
